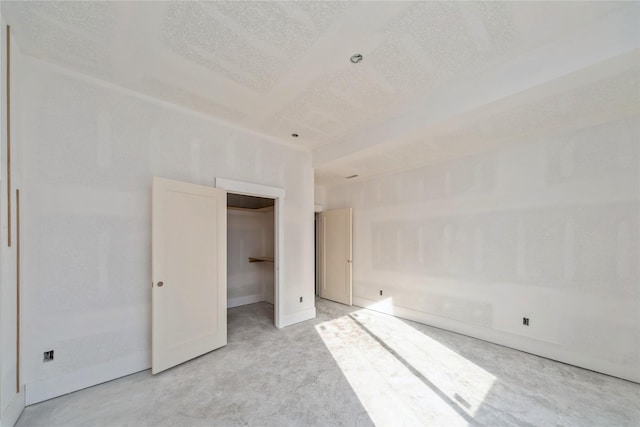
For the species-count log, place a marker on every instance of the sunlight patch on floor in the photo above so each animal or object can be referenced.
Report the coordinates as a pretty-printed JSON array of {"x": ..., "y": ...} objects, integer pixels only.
[{"x": 401, "y": 376}]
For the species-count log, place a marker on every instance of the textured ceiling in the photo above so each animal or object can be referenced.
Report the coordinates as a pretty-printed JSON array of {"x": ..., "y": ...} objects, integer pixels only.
[{"x": 438, "y": 80}]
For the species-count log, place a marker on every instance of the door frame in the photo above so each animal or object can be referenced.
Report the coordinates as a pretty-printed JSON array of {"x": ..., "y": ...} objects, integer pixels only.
[{"x": 276, "y": 193}]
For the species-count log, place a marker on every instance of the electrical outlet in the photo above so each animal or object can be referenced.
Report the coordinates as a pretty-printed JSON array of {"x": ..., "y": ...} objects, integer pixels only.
[
  {"x": 300, "y": 299},
  {"x": 525, "y": 321},
  {"x": 48, "y": 356},
  {"x": 380, "y": 291}
]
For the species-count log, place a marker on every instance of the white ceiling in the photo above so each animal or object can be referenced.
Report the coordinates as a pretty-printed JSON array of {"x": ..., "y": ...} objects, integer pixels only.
[{"x": 438, "y": 79}]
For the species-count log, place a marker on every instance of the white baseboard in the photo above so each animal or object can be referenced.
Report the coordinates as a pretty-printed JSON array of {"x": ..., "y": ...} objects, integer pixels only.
[
  {"x": 11, "y": 414},
  {"x": 299, "y": 316},
  {"x": 57, "y": 386},
  {"x": 537, "y": 347},
  {"x": 249, "y": 299}
]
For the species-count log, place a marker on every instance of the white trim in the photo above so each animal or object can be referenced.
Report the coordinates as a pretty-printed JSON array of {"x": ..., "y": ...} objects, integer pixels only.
[
  {"x": 39, "y": 391},
  {"x": 249, "y": 299},
  {"x": 299, "y": 316},
  {"x": 276, "y": 193},
  {"x": 540, "y": 348},
  {"x": 14, "y": 410},
  {"x": 249, "y": 188}
]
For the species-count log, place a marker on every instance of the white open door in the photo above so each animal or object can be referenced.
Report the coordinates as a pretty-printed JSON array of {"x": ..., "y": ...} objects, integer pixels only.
[
  {"x": 335, "y": 255},
  {"x": 189, "y": 272}
]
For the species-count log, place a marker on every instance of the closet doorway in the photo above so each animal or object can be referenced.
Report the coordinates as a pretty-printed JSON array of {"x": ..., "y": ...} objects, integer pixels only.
[
  {"x": 250, "y": 250},
  {"x": 254, "y": 245}
]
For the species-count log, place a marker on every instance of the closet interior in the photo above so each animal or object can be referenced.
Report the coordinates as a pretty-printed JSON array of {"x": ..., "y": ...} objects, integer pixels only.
[{"x": 250, "y": 250}]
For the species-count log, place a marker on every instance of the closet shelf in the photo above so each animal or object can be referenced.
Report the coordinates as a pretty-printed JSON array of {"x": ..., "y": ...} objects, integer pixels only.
[
  {"x": 265, "y": 209},
  {"x": 261, "y": 259}
]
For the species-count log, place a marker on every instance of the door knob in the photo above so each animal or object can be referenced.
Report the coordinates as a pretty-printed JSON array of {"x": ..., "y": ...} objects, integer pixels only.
[{"x": 160, "y": 284}]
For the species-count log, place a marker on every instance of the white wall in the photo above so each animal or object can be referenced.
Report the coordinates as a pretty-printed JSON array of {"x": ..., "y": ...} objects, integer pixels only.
[
  {"x": 90, "y": 150},
  {"x": 11, "y": 400},
  {"x": 249, "y": 234},
  {"x": 545, "y": 229},
  {"x": 320, "y": 198}
]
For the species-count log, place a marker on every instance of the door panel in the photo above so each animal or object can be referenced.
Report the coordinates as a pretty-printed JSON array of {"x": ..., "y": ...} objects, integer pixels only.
[
  {"x": 336, "y": 255},
  {"x": 189, "y": 301}
]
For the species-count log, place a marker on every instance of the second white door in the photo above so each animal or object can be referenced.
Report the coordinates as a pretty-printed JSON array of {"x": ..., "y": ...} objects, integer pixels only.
[{"x": 335, "y": 255}]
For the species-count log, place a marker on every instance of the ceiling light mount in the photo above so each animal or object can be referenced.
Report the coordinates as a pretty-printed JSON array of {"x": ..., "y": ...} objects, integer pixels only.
[
  {"x": 294, "y": 135},
  {"x": 355, "y": 58}
]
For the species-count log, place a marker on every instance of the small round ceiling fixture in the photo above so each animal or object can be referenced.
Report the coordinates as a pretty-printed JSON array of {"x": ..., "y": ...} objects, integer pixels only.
[
  {"x": 295, "y": 135},
  {"x": 355, "y": 58}
]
